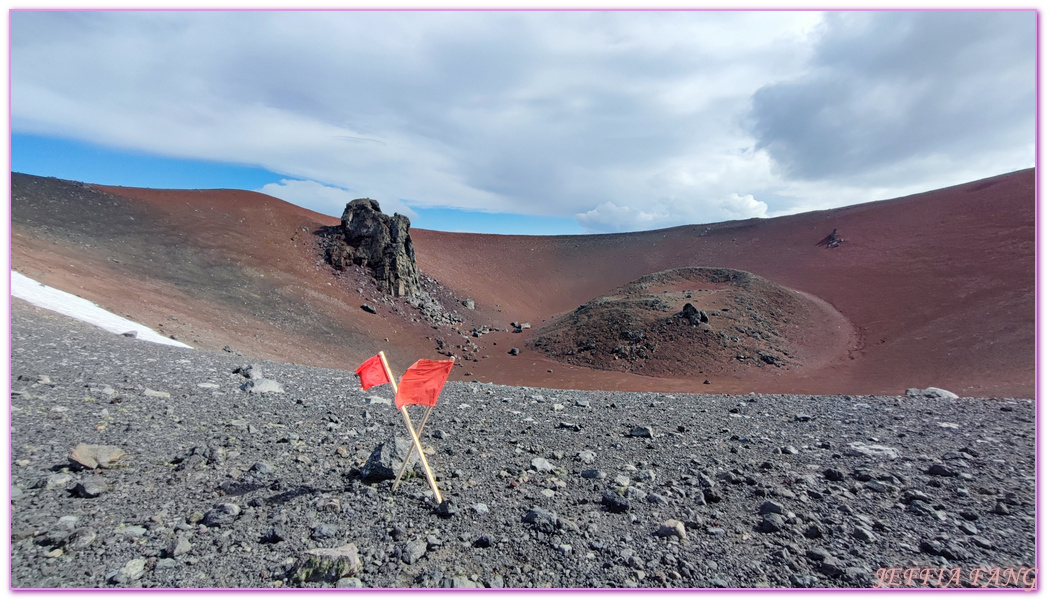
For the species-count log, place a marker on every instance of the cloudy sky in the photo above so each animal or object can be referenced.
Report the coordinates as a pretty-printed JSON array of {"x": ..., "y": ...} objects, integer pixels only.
[{"x": 529, "y": 122}]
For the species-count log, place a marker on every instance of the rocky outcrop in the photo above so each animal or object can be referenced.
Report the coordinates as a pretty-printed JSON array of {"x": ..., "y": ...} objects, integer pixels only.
[{"x": 379, "y": 243}]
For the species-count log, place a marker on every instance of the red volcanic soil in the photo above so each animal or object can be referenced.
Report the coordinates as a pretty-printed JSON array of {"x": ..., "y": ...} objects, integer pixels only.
[
  {"x": 691, "y": 322},
  {"x": 936, "y": 289}
]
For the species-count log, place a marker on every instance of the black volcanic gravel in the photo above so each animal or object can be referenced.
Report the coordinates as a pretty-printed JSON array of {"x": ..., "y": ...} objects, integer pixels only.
[{"x": 225, "y": 488}]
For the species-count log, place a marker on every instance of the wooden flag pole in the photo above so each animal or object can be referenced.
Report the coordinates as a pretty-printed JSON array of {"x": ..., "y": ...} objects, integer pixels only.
[
  {"x": 414, "y": 436},
  {"x": 410, "y": 452}
]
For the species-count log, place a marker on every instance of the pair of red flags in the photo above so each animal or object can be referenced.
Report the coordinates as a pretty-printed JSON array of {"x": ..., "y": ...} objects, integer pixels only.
[{"x": 421, "y": 384}]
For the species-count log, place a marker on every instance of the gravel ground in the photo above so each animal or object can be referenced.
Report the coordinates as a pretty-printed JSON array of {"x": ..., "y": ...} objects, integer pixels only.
[{"x": 222, "y": 487}]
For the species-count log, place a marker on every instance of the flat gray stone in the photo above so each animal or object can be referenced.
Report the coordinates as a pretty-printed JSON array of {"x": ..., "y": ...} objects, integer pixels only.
[
  {"x": 672, "y": 528},
  {"x": 931, "y": 392},
  {"x": 327, "y": 564},
  {"x": 91, "y": 487},
  {"x": 95, "y": 456},
  {"x": 263, "y": 386},
  {"x": 132, "y": 571},
  {"x": 542, "y": 465}
]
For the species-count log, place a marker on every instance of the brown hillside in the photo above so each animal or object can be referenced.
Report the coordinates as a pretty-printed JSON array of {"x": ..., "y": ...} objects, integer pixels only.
[
  {"x": 700, "y": 322},
  {"x": 938, "y": 288}
]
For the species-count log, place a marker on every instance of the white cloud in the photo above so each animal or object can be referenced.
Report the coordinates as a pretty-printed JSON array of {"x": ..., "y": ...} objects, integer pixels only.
[
  {"x": 327, "y": 199},
  {"x": 663, "y": 212},
  {"x": 537, "y": 112}
]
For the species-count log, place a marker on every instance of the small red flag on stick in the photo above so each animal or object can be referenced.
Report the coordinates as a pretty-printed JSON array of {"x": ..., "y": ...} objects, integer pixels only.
[
  {"x": 372, "y": 372},
  {"x": 422, "y": 382}
]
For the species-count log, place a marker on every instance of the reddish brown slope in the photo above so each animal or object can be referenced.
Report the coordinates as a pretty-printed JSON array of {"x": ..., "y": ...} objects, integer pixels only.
[
  {"x": 213, "y": 267},
  {"x": 940, "y": 286}
]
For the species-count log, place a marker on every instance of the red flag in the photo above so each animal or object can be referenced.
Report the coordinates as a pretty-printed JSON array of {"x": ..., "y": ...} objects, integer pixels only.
[
  {"x": 421, "y": 384},
  {"x": 372, "y": 372}
]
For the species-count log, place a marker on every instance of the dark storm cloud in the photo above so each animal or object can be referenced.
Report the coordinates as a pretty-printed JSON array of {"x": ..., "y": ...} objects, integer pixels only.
[{"x": 887, "y": 87}]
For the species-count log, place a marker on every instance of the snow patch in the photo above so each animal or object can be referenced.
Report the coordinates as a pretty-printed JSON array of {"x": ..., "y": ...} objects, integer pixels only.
[{"x": 69, "y": 305}]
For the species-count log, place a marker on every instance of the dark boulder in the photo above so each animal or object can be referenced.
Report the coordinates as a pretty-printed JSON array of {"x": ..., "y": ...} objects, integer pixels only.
[
  {"x": 379, "y": 243},
  {"x": 693, "y": 315}
]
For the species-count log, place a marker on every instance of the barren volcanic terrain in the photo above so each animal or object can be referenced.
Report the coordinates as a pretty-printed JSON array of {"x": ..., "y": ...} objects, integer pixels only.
[
  {"x": 652, "y": 326},
  {"x": 936, "y": 289},
  {"x": 136, "y": 464}
]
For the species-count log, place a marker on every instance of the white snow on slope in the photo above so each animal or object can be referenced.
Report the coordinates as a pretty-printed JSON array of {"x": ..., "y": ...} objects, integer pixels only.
[{"x": 69, "y": 305}]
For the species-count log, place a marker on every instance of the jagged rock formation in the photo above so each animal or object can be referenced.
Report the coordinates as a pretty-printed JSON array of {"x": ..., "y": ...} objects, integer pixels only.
[{"x": 381, "y": 244}]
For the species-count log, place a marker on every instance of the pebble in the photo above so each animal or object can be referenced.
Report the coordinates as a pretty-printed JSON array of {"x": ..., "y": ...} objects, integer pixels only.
[
  {"x": 542, "y": 519},
  {"x": 349, "y": 582},
  {"x": 274, "y": 535},
  {"x": 446, "y": 509},
  {"x": 130, "y": 531},
  {"x": 221, "y": 514},
  {"x": 771, "y": 506},
  {"x": 90, "y": 487},
  {"x": 178, "y": 547},
  {"x": 876, "y": 486},
  {"x": 542, "y": 465},
  {"x": 95, "y": 456},
  {"x": 982, "y": 543},
  {"x": 263, "y": 386},
  {"x": 772, "y": 523},
  {"x": 80, "y": 538},
  {"x": 413, "y": 551},
  {"x": 931, "y": 392},
  {"x": 863, "y": 534},
  {"x": 641, "y": 432},
  {"x": 931, "y": 547},
  {"x": 818, "y": 554},
  {"x": 324, "y": 531},
  {"x": 941, "y": 470},
  {"x": 864, "y": 450},
  {"x": 327, "y": 564},
  {"x": 132, "y": 571},
  {"x": 672, "y": 528},
  {"x": 614, "y": 502},
  {"x": 54, "y": 482}
]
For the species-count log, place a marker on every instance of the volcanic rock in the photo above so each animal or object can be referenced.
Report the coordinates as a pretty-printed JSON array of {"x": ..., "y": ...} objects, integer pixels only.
[
  {"x": 91, "y": 487},
  {"x": 932, "y": 393},
  {"x": 693, "y": 315},
  {"x": 387, "y": 459},
  {"x": 328, "y": 564},
  {"x": 379, "y": 243},
  {"x": 93, "y": 457}
]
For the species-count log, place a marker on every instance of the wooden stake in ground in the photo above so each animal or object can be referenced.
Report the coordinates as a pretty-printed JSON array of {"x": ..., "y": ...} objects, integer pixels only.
[
  {"x": 410, "y": 453},
  {"x": 414, "y": 436}
]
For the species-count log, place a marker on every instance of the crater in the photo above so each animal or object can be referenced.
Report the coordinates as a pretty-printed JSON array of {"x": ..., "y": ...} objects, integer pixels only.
[{"x": 698, "y": 321}]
